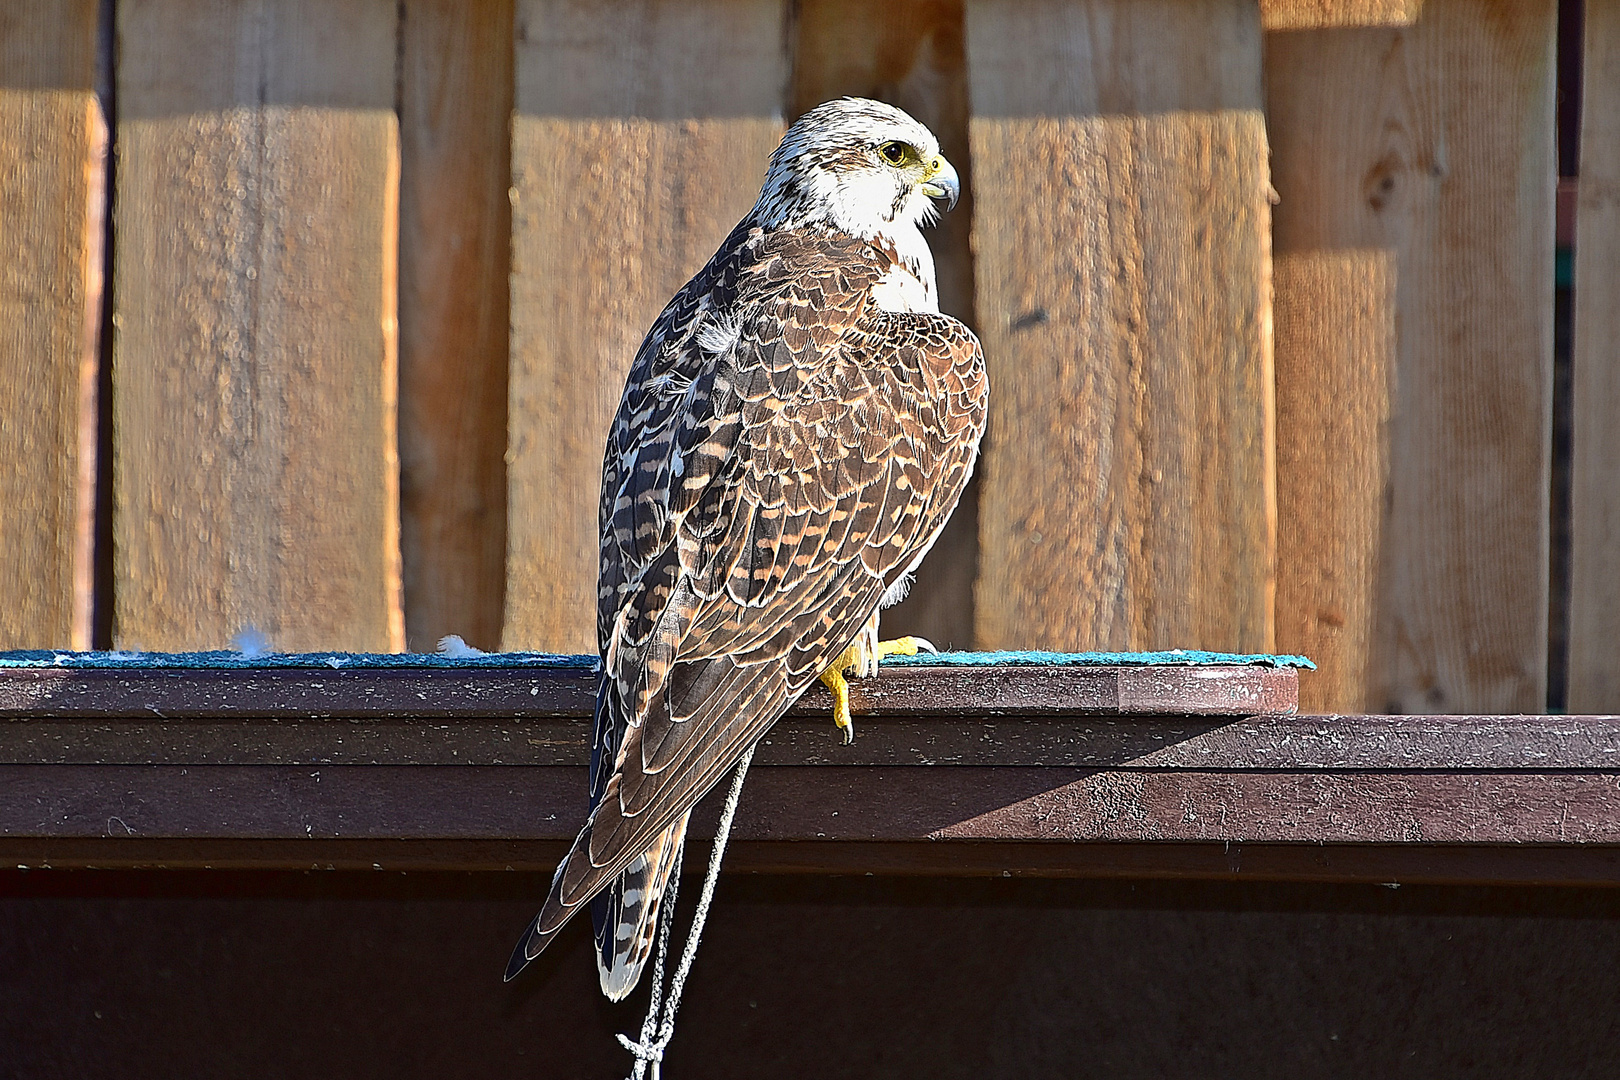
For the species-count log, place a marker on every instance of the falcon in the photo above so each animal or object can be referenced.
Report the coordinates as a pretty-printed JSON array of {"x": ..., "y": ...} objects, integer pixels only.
[{"x": 796, "y": 429}]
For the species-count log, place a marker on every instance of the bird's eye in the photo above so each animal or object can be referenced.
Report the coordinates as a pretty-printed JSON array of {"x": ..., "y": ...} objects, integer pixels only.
[{"x": 893, "y": 152}]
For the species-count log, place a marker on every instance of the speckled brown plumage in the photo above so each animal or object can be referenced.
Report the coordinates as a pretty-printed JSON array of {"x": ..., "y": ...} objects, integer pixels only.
[{"x": 785, "y": 452}]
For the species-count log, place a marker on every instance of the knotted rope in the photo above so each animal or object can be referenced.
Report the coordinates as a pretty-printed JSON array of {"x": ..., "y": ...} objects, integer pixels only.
[{"x": 650, "y": 1049}]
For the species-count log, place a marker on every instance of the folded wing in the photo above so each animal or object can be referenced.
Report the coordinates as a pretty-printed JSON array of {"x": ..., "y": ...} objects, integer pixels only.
[{"x": 756, "y": 518}]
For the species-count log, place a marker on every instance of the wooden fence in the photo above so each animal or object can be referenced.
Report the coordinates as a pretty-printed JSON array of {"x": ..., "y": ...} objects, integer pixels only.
[{"x": 327, "y": 346}]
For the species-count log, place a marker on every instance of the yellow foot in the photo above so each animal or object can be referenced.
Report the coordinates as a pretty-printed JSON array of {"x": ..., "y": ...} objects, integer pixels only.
[{"x": 862, "y": 658}]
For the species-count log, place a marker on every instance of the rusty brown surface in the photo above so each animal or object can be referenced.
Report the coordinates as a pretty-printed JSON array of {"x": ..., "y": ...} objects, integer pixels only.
[
  {"x": 1057, "y": 771},
  {"x": 319, "y": 692},
  {"x": 1501, "y": 864},
  {"x": 1538, "y": 744},
  {"x": 946, "y": 807}
]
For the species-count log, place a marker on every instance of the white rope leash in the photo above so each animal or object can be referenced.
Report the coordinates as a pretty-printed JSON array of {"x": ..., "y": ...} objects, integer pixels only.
[{"x": 649, "y": 1049}]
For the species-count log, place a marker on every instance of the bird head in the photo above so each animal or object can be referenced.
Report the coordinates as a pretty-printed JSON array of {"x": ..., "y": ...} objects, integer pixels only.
[{"x": 861, "y": 166}]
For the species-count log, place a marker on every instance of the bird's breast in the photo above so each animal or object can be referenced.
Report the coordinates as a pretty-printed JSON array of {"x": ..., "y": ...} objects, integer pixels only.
[{"x": 902, "y": 290}]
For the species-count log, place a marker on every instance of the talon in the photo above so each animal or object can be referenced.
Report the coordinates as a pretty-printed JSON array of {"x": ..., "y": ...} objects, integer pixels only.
[
  {"x": 834, "y": 678},
  {"x": 862, "y": 658},
  {"x": 906, "y": 646}
]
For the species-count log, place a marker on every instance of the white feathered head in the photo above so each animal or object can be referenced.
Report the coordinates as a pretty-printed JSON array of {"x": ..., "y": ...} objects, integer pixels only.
[{"x": 861, "y": 166}]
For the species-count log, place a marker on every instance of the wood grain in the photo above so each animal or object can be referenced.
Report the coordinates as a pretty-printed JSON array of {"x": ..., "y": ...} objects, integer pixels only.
[
  {"x": 1539, "y": 744},
  {"x": 53, "y": 145},
  {"x": 1414, "y": 240},
  {"x": 455, "y": 84},
  {"x": 911, "y": 53},
  {"x": 1594, "y": 639},
  {"x": 430, "y": 694},
  {"x": 642, "y": 132},
  {"x": 1324, "y": 14},
  {"x": 959, "y": 771},
  {"x": 1122, "y": 264},
  {"x": 255, "y": 366},
  {"x": 1335, "y": 343},
  {"x": 960, "y": 804}
]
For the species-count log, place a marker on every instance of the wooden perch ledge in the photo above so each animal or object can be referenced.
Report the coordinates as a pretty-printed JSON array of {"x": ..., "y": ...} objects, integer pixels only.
[{"x": 1036, "y": 769}]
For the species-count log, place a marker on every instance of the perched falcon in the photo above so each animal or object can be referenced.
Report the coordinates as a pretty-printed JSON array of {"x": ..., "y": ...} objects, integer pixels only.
[{"x": 797, "y": 427}]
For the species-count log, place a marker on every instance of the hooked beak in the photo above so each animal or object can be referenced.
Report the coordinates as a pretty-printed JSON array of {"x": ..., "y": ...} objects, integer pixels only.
[{"x": 943, "y": 184}]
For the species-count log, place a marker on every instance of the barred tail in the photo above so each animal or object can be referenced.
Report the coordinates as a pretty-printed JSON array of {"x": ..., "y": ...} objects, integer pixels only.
[{"x": 625, "y": 914}]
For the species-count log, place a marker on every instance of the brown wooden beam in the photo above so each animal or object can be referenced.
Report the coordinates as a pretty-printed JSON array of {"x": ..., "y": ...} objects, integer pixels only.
[
  {"x": 1531, "y": 744},
  {"x": 1059, "y": 770},
  {"x": 442, "y": 692},
  {"x": 903, "y": 804},
  {"x": 1497, "y": 864}
]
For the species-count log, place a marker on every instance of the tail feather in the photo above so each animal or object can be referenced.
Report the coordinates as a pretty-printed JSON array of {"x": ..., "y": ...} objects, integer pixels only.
[
  {"x": 625, "y": 914},
  {"x": 660, "y": 861},
  {"x": 625, "y": 838}
]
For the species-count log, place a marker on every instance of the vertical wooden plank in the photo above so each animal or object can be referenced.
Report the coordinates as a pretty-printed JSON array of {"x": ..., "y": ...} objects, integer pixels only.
[
  {"x": 1323, "y": 14},
  {"x": 254, "y": 364},
  {"x": 1335, "y": 343},
  {"x": 642, "y": 132},
  {"x": 1414, "y": 352},
  {"x": 53, "y": 144},
  {"x": 911, "y": 53},
  {"x": 455, "y": 257},
  {"x": 1121, "y": 236},
  {"x": 1594, "y": 638}
]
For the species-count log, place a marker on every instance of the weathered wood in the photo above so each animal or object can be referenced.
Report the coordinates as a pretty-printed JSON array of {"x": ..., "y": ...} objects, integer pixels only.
[
  {"x": 295, "y": 693},
  {"x": 1121, "y": 241},
  {"x": 523, "y": 693},
  {"x": 1387, "y": 864},
  {"x": 642, "y": 132},
  {"x": 911, "y": 53},
  {"x": 455, "y": 113},
  {"x": 254, "y": 365},
  {"x": 963, "y": 770},
  {"x": 1594, "y": 633},
  {"x": 1335, "y": 335},
  {"x": 1415, "y": 170},
  {"x": 834, "y": 803},
  {"x": 1337, "y": 14},
  {"x": 806, "y": 737},
  {"x": 53, "y": 146}
]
